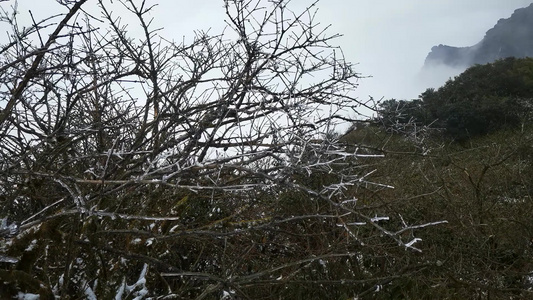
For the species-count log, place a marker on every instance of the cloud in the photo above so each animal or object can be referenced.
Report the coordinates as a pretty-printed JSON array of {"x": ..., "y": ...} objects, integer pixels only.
[{"x": 391, "y": 39}]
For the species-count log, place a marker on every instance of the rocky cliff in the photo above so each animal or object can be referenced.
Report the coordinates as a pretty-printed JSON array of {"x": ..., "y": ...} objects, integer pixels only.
[{"x": 509, "y": 37}]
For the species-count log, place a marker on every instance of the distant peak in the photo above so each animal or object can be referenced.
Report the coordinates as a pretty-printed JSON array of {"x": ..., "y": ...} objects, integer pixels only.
[{"x": 510, "y": 37}]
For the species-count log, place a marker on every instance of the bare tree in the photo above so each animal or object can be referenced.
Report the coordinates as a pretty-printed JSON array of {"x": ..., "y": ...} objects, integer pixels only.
[{"x": 171, "y": 161}]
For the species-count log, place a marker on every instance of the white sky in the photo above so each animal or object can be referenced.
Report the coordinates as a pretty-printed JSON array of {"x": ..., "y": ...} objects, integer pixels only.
[{"x": 389, "y": 39}]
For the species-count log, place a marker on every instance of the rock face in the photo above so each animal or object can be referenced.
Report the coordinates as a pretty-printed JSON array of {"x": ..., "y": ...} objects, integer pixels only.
[{"x": 509, "y": 37}]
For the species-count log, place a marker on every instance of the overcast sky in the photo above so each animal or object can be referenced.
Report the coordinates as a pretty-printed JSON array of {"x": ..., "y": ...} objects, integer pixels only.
[{"x": 389, "y": 39}]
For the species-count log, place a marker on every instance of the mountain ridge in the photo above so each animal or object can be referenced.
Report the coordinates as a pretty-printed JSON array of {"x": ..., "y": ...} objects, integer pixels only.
[{"x": 510, "y": 37}]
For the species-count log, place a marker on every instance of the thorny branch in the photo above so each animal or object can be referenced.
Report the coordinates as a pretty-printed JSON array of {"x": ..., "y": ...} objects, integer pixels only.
[{"x": 185, "y": 144}]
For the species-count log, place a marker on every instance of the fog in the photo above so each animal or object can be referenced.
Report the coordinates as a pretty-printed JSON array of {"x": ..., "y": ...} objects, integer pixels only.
[
  {"x": 391, "y": 39},
  {"x": 387, "y": 39}
]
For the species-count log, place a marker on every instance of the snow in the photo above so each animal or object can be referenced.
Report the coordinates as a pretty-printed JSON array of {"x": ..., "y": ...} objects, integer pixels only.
[
  {"x": 226, "y": 295},
  {"x": 356, "y": 223},
  {"x": 322, "y": 263},
  {"x": 412, "y": 242},
  {"x": 89, "y": 293},
  {"x": 354, "y": 201},
  {"x": 174, "y": 228},
  {"x": 27, "y": 296},
  {"x": 121, "y": 289},
  {"x": 529, "y": 280},
  {"x": 7, "y": 259},
  {"x": 59, "y": 284},
  {"x": 138, "y": 289},
  {"x": 377, "y": 219},
  {"x": 31, "y": 246},
  {"x": 11, "y": 229}
]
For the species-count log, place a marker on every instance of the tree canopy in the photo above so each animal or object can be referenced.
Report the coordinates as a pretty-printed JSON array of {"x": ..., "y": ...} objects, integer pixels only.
[{"x": 482, "y": 99}]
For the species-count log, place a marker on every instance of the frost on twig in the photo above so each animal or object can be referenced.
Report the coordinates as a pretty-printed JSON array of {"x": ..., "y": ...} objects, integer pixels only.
[{"x": 123, "y": 151}]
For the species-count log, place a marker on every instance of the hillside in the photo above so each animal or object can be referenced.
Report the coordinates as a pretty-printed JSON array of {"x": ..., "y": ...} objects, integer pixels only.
[
  {"x": 483, "y": 99},
  {"x": 482, "y": 188},
  {"x": 462, "y": 153}
]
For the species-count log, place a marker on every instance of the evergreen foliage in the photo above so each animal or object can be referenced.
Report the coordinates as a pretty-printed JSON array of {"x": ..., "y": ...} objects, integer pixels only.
[{"x": 483, "y": 99}]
